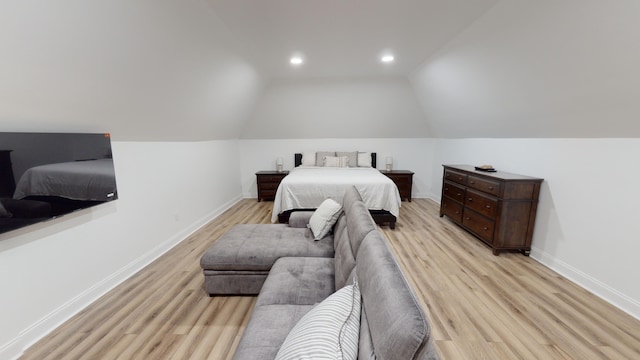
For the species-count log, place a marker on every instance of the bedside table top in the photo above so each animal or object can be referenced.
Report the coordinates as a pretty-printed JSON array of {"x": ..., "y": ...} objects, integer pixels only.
[
  {"x": 272, "y": 172},
  {"x": 398, "y": 172}
]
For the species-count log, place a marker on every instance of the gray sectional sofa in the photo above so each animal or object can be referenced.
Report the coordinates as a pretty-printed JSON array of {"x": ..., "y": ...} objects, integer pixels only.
[{"x": 291, "y": 273}]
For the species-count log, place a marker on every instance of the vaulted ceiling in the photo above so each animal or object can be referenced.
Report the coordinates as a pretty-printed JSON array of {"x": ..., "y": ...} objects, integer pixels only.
[
  {"x": 218, "y": 69},
  {"x": 339, "y": 38}
]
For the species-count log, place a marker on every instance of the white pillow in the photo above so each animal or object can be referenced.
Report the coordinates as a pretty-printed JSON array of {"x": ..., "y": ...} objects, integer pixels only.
[
  {"x": 308, "y": 158},
  {"x": 329, "y": 331},
  {"x": 323, "y": 218},
  {"x": 364, "y": 159},
  {"x": 336, "y": 161}
]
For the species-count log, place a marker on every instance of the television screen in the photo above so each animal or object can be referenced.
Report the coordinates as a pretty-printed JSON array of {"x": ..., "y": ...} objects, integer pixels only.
[{"x": 47, "y": 175}]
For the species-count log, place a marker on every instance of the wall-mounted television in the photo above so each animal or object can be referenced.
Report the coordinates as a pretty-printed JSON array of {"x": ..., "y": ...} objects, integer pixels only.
[{"x": 47, "y": 175}]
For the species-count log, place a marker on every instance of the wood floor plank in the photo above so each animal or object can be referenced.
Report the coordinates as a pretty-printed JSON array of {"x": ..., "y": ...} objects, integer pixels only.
[{"x": 480, "y": 306}]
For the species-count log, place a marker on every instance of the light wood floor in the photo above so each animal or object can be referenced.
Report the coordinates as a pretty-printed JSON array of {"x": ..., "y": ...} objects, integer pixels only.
[{"x": 480, "y": 306}]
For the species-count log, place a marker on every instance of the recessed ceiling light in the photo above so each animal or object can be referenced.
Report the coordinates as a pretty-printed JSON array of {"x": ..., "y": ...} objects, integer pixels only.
[
  {"x": 387, "y": 58},
  {"x": 296, "y": 60}
]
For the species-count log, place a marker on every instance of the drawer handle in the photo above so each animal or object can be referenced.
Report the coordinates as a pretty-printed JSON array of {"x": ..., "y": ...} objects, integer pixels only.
[
  {"x": 446, "y": 189},
  {"x": 485, "y": 228},
  {"x": 458, "y": 194},
  {"x": 472, "y": 182},
  {"x": 488, "y": 206},
  {"x": 467, "y": 218},
  {"x": 470, "y": 199},
  {"x": 460, "y": 179},
  {"x": 457, "y": 212},
  {"x": 490, "y": 188}
]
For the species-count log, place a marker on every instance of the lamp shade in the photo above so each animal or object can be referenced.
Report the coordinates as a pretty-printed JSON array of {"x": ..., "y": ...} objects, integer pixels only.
[
  {"x": 279, "y": 162},
  {"x": 389, "y": 160}
]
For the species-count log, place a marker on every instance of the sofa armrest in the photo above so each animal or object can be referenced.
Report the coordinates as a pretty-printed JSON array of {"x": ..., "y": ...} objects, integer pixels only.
[{"x": 300, "y": 219}]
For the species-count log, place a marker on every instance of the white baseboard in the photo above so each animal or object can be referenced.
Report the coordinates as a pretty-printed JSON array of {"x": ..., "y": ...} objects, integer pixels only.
[
  {"x": 597, "y": 287},
  {"x": 29, "y": 336}
]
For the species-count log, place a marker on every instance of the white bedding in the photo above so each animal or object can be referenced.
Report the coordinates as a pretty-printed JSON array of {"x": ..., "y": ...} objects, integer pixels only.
[{"x": 306, "y": 187}]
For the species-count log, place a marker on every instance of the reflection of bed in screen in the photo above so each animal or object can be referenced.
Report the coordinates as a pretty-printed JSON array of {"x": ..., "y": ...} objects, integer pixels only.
[
  {"x": 307, "y": 186},
  {"x": 89, "y": 180},
  {"x": 47, "y": 175}
]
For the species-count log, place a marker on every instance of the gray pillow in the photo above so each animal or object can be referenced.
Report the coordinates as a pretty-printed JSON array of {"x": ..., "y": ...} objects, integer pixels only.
[
  {"x": 320, "y": 156},
  {"x": 352, "y": 155},
  {"x": 3, "y": 212}
]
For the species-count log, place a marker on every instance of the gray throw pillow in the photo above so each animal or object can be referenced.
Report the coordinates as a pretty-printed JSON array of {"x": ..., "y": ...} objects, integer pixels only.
[
  {"x": 352, "y": 155},
  {"x": 320, "y": 156}
]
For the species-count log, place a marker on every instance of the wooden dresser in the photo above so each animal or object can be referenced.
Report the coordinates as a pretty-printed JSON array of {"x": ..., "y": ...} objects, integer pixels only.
[
  {"x": 403, "y": 180},
  {"x": 268, "y": 182},
  {"x": 497, "y": 207}
]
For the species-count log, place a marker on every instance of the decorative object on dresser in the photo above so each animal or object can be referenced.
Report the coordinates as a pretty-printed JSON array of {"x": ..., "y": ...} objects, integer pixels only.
[
  {"x": 267, "y": 182},
  {"x": 497, "y": 207},
  {"x": 403, "y": 180}
]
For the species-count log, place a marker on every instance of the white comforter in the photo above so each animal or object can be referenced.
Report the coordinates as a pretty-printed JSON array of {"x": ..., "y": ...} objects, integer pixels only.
[{"x": 306, "y": 187}]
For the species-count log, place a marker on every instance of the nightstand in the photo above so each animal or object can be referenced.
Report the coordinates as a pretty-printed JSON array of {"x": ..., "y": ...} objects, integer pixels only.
[
  {"x": 403, "y": 180},
  {"x": 268, "y": 181}
]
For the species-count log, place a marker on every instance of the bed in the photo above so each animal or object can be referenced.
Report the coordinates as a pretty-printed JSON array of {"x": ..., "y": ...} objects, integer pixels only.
[
  {"x": 307, "y": 186},
  {"x": 87, "y": 180}
]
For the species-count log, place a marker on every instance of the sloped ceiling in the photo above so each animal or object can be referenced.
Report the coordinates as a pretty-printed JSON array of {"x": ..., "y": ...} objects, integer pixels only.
[
  {"x": 142, "y": 70},
  {"x": 345, "y": 38},
  {"x": 217, "y": 69},
  {"x": 545, "y": 69}
]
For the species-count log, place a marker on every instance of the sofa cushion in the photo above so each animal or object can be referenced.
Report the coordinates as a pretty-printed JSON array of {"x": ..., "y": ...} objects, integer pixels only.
[
  {"x": 258, "y": 246},
  {"x": 344, "y": 259},
  {"x": 351, "y": 196},
  {"x": 329, "y": 331},
  {"x": 300, "y": 219},
  {"x": 267, "y": 329},
  {"x": 359, "y": 224},
  {"x": 398, "y": 327},
  {"x": 298, "y": 281}
]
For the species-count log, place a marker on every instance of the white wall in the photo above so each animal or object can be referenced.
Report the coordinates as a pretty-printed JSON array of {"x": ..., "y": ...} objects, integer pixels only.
[
  {"x": 408, "y": 154},
  {"x": 337, "y": 108},
  {"x": 52, "y": 270},
  {"x": 586, "y": 226}
]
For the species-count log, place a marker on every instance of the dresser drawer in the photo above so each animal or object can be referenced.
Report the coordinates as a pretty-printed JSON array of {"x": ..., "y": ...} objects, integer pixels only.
[
  {"x": 454, "y": 176},
  {"x": 484, "y": 185},
  {"x": 453, "y": 191},
  {"x": 483, "y": 204},
  {"x": 478, "y": 224},
  {"x": 452, "y": 209}
]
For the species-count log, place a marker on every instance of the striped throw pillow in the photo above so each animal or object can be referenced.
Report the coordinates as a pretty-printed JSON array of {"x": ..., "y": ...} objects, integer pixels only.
[
  {"x": 336, "y": 161},
  {"x": 329, "y": 331}
]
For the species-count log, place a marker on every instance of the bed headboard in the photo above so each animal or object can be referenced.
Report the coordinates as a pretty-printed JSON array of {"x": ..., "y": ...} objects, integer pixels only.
[{"x": 297, "y": 159}]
